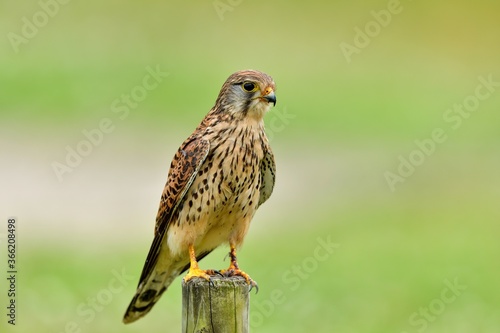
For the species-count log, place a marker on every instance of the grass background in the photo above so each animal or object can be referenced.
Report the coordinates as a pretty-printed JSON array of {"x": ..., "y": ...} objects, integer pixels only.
[{"x": 348, "y": 124}]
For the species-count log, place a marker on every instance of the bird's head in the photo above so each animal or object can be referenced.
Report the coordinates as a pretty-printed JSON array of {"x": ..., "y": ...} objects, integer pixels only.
[{"x": 247, "y": 93}]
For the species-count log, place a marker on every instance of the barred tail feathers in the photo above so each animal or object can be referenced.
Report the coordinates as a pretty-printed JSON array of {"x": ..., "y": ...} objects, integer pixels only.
[{"x": 147, "y": 294}]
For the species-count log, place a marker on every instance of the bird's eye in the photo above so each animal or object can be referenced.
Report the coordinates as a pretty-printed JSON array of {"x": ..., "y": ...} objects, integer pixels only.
[{"x": 249, "y": 86}]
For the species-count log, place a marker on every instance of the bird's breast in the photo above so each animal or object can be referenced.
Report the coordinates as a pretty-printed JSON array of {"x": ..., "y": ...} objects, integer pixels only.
[{"x": 224, "y": 195}]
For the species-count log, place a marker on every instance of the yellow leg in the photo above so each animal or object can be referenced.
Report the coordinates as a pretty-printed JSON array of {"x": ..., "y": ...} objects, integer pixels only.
[
  {"x": 194, "y": 269},
  {"x": 234, "y": 269}
]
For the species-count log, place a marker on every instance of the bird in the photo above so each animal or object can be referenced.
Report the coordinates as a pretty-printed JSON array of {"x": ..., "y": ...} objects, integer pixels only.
[{"x": 218, "y": 178}]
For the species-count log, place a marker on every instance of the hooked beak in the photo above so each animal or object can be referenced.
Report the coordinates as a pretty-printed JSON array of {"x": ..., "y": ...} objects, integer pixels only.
[{"x": 270, "y": 98}]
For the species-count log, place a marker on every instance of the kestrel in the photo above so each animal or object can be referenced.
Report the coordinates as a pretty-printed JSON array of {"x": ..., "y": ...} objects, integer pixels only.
[{"x": 218, "y": 178}]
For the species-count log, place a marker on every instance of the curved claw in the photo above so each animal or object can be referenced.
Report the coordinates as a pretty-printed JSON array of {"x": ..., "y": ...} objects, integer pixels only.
[
  {"x": 216, "y": 272},
  {"x": 204, "y": 274},
  {"x": 252, "y": 285},
  {"x": 213, "y": 272},
  {"x": 234, "y": 270},
  {"x": 238, "y": 272},
  {"x": 196, "y": 272}
]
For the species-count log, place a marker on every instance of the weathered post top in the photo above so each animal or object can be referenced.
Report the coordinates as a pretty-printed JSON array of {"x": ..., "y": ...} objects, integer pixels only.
[{"x": 219, "y": 306}]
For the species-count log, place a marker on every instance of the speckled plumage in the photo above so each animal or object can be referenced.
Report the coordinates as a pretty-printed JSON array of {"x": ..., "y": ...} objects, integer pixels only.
[{"x": 218, "y": 178}]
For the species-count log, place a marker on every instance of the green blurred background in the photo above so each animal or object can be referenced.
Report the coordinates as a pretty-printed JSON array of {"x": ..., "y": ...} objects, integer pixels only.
[{"x": 339, "y": 125}]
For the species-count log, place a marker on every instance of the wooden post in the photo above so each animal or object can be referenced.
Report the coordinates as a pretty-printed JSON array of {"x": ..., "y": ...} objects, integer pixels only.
[{"x": 217, "y": 307}]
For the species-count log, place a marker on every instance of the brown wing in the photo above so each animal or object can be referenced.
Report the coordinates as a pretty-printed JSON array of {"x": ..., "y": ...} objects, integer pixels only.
[
  {"x": 267, "y": 176},
  {"x": 183, "y": 170}
]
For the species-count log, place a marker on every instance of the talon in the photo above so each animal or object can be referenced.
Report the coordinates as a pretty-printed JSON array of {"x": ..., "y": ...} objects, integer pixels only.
[
  {"x": 231, "y": 271},
  {"x": 252, "y": 285},
  {"x": 213, "y": 272},
  {"x": 225, "y": 272},
  {"x": 234, "y": 270},
  {"x": 195, "y": 271},
  {"x": 216, "y": 272}
]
